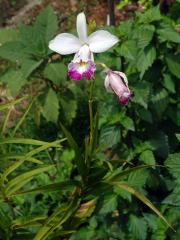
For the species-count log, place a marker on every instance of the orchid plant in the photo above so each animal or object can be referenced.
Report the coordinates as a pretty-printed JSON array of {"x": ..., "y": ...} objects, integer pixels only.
[{"x": 83, "y": 64}]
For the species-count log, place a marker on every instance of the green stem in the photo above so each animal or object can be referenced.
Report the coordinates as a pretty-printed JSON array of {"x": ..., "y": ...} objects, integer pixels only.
[{"x": 91, "y": 115}]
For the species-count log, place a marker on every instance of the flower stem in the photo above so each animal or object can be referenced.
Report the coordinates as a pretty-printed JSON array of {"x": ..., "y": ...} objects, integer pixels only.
[{"x": 91, "y": 116}]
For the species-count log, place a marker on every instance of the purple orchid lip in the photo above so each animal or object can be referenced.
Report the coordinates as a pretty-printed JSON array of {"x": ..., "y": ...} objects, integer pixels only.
[{"x": 76, "y": 71}]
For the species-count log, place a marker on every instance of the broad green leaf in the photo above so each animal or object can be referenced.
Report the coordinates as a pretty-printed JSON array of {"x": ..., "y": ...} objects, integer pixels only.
[
  {"x": 142, "y": 198},
  {"x": 71, "y": 105},
  {"x": 51, "y": 107},
  {"x": 110, "y": 136},
  {"x": 173, "y": 164},
  {"x": 142, "y": 92},
  {"x": 174, "y": 197},
  {"x": 14, "y": 79},
  {"x": 47, "y": 24},
  {"x": 8, "y": 34},
  {"x": 128, "y": 123},
  {"x": 13, "y": 51},
  {"x": 178, "y": 136},
  {"x": 145, "y": 114},
  {"x": 147, "y": 157},
  {"x": 169, "y": 84},
  {"x": 28, "y": 66},
  {"x": 108, "y": 204},
  {"x": 144, "y": 35},
  {"x": 138, "y": 178},
  {"x": 125, "y": 29},
  {"x": 151, "y": 15},
  {"x": 145, "y": 59},
  {"x": 128, "y": 49},
  {"x": 173, "y": 62},
  {"x": 138, "y": 227},
  {"x": 56, "y": 72},
  {"x": 160, "y": 144},
  {"x": 168, "y": 33}
]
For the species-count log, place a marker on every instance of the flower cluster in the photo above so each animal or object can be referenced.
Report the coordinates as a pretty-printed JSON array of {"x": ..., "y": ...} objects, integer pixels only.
[{"x": 83, "y": 64}]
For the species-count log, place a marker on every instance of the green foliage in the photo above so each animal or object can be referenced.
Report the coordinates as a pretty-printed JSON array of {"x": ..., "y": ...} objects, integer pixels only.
[{"x": 90, "y": 186}]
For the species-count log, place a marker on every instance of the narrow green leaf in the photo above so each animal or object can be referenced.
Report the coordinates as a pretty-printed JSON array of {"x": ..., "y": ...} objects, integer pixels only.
[
  {"x": 61, "y": 186},
  {"x": 10, "y": 104},
  {"x": 143, "y": 198},
  {"x": 21, "y": 120},
  {"x": 78, "y": 157},
  {"x": 17, "y": 182}
]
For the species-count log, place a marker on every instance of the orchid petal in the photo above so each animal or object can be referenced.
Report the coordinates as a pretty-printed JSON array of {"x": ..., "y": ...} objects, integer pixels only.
[
  {"x": 81, "y": 27},
  {"x": 65, "y": 43},
  {"x": 107, "y": 84},
  {"x": 122, "y": 75},
  {"x": 101, "y": 40}
]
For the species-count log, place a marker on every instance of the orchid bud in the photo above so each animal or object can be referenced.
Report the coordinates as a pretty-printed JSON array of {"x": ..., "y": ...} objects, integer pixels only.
[{"x": 117, "y": 82}]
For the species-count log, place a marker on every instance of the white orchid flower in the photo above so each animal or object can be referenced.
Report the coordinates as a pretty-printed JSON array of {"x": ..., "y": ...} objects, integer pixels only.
[
  {"x": 84, "y": 46},
  {"x": 117, "y": 82}
]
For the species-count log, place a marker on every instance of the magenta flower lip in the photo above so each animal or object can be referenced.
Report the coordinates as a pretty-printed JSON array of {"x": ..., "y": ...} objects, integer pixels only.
[{"x": 76, "y": 71}]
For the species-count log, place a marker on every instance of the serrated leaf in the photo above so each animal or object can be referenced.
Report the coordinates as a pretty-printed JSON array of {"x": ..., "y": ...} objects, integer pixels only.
[
  {"x": 110, "y": 136},
  {"x": 145, "y": 114},
  {"x": 160, "y": 144},
  {"x": 128, "y": 123},
  {"x": 144, "y": 35},
  {"x": 151, "y": 15},
  {"x": 46, "y": 23},
  {"x": 173, "y": 62},
  {"x": 13, "y": 51},
  {"x": 160, "y": 102},
  {"x": 173, "y": 164},
  {"x": 167, "y": 33},
  {"x": 169, "y": 83},
  {"x": 8, "y": 35},
  {"x": 109, "y": 204},
  {"x": 138, "y": 227},
  {"x": 138, "y": 178},
  {"x": 28, "y": 66},
  {"x": 145, "y": 59},
  {"x": 14, "y": 79},
  {"x": 142, "y": 91},
  {"x": 147, "y": 157},
  {"x": 56, "y": 72},
  {"x": 128, "y": 49},
  {"x": 174, "y": 197},
  {"x": 51, "y": 107}
]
